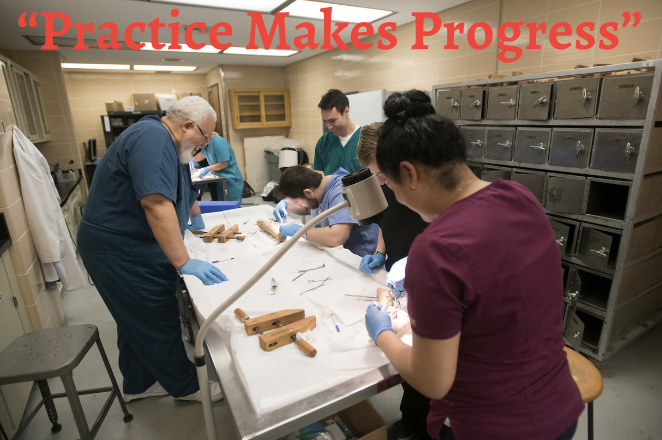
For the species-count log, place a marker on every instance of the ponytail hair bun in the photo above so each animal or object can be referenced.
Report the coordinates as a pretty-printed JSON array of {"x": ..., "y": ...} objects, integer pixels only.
[{"x": 414, "y": 103}]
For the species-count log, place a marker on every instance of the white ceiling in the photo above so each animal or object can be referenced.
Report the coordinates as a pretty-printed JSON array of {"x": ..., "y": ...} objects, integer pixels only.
[{"x": 124, "y": 12}]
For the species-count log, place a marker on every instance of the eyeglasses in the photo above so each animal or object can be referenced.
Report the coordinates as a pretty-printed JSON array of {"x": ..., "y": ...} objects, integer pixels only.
[{"x": 203, "y": 135}]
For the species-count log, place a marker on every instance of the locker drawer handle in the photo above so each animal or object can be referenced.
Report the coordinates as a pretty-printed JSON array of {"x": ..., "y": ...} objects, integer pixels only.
[
  {"x": 477, "y": 143},
  {"x": 541, "y": 101},
  {"x": 454, "y": 103},
  {"x": 638, "y": 96},
  {"x": 560, "y": 241},
  {"x": 586, "y": 97},
  {"x": 602, "y": 252},
  {"x": 576, "y": 335},
  {"x": 572, "y": 295},
  {"x": 504, "y": 144},
  {"x": 539, "y": 146},
  {"x": 553, "y": 194},
  {"x": 475, "y": 104},
  {"x": 628, "y": 151},
  {"x": 508, "y": 103},
  {"x": 579, "y": 148}
]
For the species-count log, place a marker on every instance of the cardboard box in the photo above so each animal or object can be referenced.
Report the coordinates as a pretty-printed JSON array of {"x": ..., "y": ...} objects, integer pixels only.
[
  {"x": 114, "y": 106},
  {"x": 128, "y": 108},
  {"x": 144, "y": 101},
  {"x": 165, "y": 100},
  {"x": 362, "y": 419},
  {"x": 184, "y": 95}
]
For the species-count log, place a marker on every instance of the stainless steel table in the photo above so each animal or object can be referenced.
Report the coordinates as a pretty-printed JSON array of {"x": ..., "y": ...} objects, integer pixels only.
[{"x": 224, "y": 184}]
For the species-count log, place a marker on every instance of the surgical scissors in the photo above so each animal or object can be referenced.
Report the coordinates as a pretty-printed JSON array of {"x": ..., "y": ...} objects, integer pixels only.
[{"x": 307, "y": 270}]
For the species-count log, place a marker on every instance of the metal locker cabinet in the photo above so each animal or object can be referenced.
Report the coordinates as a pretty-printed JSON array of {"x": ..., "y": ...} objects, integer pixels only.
[
  {"x": 598, "y": 247},
  {"x": 472, "y": 104},
  {"x": 499, "y": 143},
  {"x": 535, "y": 181},
  {"x": 576, "y": 98},
  {"x": 474, "y": 138},
  {"x": 607, "y": 198},
  {"x": 570, "y": 147},
  {"x": 625, "y": 96},
  {"x": 566, "y": 194},
  {"x": 532, "y": 145},
  {"x": 535, "y": 100},
  {"x": 573, "y": 329},
  {"x": 490, "y": 174},
  {"x": 593, "y": 289},
  {"x": 616, "y": 149},
  {"x": 502, "y": 102},
  {"x": 448, "y": 104},
  {"x": 565, "y": 234}
]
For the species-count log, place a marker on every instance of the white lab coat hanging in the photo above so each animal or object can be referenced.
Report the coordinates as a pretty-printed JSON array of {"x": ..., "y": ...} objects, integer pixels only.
[{"x": 42, "y": 207}]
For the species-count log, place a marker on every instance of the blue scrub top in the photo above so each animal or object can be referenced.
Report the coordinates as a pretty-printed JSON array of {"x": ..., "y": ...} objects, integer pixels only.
[
  {"x": 330, "y": 155},
  {"x": 362, "y": 239},
  {"x": 143, "y": 160},
  {"x": 219, "y": 150}
]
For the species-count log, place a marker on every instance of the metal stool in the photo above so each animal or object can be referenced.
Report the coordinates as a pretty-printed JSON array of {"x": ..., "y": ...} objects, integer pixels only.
[
  {"x": 45, "y": 354},
  {"x": 588, "y": 379}
]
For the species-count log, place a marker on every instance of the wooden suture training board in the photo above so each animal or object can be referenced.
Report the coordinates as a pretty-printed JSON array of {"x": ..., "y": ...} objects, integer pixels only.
[
  {"x": 228, "y": 233},
  {"x": 270, "y": 229},
  {"x": 287, "y": 334},
  {"x": 268, "y": 322}
]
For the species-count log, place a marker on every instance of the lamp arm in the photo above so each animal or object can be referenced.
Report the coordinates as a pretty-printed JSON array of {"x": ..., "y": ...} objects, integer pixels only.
[{"x": 199, "y": 354}]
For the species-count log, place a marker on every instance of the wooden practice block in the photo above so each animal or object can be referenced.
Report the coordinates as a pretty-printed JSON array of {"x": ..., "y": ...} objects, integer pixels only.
[
  {"x": 270, "y": 229},
  {"x": 283, "y": 336},
  {"x": 268, "y": 322},
  {"x": 223, "y": 236},
  {"x": 213, "y": 233}
]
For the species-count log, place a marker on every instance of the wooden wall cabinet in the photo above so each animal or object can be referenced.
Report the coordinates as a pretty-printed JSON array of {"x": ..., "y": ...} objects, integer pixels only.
[{"x": 259, "y": 108}]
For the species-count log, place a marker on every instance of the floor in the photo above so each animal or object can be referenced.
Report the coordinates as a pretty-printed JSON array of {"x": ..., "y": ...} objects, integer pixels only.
[{"x": 629, "y": 408}]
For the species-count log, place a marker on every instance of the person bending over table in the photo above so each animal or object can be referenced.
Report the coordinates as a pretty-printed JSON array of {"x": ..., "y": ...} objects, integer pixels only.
[
  {"x": 130, "y": 240},
  {"x": 307, "y": 192},
  {"x": 222, "y": 162},
  {"x": 397, "y": 231},
  {"x": 485, "y": 290}
]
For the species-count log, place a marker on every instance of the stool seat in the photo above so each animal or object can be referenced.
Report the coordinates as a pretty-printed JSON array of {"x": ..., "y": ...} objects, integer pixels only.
[
  {"x": 588, "y": 378},
  {"x": 45, "y": 354}
]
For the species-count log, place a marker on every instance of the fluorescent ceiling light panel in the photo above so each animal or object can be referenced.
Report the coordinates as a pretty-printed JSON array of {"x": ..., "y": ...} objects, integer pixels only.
[
  {"x": 244, "y": 5},
  {"x": 166, "y": 68},
  {"x": 207, "y": 49},
  {"x": 96, "y": 66},
  {"x": 342, "y": 13},
  {"x": 265, "y": 52}
]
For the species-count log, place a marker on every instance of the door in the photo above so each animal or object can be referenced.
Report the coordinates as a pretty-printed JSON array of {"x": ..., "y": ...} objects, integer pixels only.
[
  {"x": 625, "y": 96},
  {"x": 491, "y": 175},
  {"x": 534, "y": 182},
  {"x": 566, "y": 194},
  {"x": 474, "y": 138},
  {"x": 472, "y": 104},
  {"x": 448, "y": 104},
  {"x": 247, "y": 109},
  {"x": 23, "y": 86},
  {"x": 535, "y": 101},
  {"x": 499, "y": 143},
  {"x": 616, "y": 150},
  {"x": 570, "y": 147},
  {"x": 215, "y": 101},
  {"x": 561, "y": 235},
  {"x": 502, "y": 103},
  {"x": 573, "y": 329},
  {"x": 594, "y": 248},
  {"x": 532, "y": 145},
  {"x": 576, "y": 98},
  {"x": 275, "y": 108}
]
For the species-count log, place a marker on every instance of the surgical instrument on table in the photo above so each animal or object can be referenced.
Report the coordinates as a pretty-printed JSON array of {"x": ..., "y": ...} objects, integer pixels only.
[
  {"x": 363, "y": 297},
  {"x": 274, "y": 286},
  {"x": 335, "y": 323},
  {"x": 317, "y": 287},
  {"x": 303, "y": 271},
  {"x": 320, "y": 281}
]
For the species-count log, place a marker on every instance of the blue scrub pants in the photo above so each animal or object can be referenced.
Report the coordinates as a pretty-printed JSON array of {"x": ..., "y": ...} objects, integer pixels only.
[{"x": 137, "y": 283}]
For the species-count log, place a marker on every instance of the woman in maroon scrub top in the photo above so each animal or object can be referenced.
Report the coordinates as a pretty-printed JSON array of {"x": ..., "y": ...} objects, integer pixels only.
[{"x": 485, "y": 290}]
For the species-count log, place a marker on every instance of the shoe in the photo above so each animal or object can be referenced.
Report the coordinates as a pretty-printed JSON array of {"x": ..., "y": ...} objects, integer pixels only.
[
  {"x": 399, "y": 432},
  {"x": 214, "y": 388},
  {"x": 155, "y": 390}
]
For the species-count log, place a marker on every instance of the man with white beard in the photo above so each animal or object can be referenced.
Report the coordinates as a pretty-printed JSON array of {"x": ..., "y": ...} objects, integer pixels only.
[{"x": 130, "y": 240}]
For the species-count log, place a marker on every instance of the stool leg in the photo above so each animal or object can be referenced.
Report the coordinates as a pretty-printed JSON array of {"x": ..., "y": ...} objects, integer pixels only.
[
  {"x": 590, "y": 420},
  {"x": 116, "y": 389},
  {"x": 49, "y": 405},
  {"x": 76, "y": 407}
]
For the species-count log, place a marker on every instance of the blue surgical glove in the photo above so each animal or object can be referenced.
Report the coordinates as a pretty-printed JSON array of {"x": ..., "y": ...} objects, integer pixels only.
[
  {"x": 289, "y": 229},
  {"x": 395, "y": 280},
  {"x": 369, "y": 262},
  {"x": 208, "y": 273},
  {"x": 203, "y": 172},
  {"x": 280, "y": 211},
  {"x": 197, "y": 223},
  {"x": 377, "y": 320}
]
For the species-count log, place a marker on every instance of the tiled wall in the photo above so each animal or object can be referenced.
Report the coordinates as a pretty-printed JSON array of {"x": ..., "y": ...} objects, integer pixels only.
[
  {"x": 44, "y": 307},
  {"x": 251, "y": 77},
  {"x": 402, "y": 68},
  {"x": 89, "y": 91},
  {"x": 62, "y": 148}
]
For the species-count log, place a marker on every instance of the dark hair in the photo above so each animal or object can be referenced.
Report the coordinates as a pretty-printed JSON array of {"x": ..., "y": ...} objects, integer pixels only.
[
  {"x": 414, "y": 132},
  {"x": 334, "y": 98},
  {"x": 296, "y": 179}
]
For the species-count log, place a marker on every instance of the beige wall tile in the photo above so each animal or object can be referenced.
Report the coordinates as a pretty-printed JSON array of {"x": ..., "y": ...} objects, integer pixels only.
[
  {"x": 32, "y": 284},
  {"x": 644, "y": 38},
  {"x": 525, "y": 10},
  {"x": 557, "y": 5},
  {"x": 46, "y": 308},
  {"x": 6, "y": 148},
  {"x": 23, "y": 253},
  {"x": 10, "y": 191},
  {"x": 35, "y": 319},
  {"x": 59, "y": 316},
  {"x": 17, "y": 223},
  {"x": 481, "y": 63}
]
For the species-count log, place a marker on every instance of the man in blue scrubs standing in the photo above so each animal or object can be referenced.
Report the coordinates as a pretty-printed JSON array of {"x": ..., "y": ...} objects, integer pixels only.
[
  {"x": 337, "y": 147},
  {"x": 130, "y": 240},
  {"x": 306, "y": 192}
]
